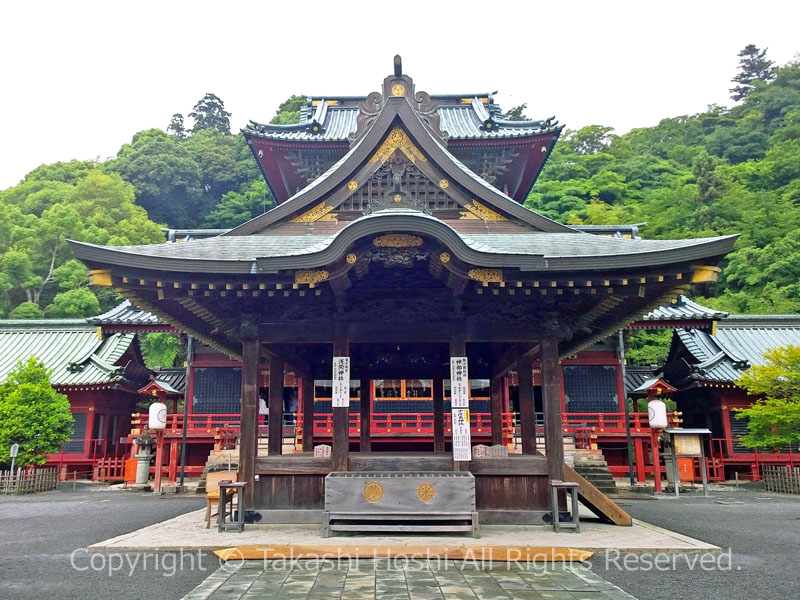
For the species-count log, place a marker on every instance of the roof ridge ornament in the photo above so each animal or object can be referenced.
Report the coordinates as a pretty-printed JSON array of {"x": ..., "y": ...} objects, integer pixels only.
[{"x": 398, "y": 85}]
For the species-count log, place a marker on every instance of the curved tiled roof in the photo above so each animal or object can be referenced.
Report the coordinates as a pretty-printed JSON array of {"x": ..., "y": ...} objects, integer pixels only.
[
  {"x": 60, "y": 344},
  {"x": 684, "y": 309},
  {"x": 126, "y": 314},
  {"x": 739, "y": 343}
]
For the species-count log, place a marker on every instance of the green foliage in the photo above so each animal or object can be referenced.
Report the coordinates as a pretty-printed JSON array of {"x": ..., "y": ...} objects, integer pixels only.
[
  {"x": 32, "y": 414},
  {"x": 235, "y": 208},
  {"x": 161, "y": 349},
  {"x": 289, "y": 111},
  {"x": 26, "y": 310},
  {"x": 516, "y": 113},
  {"x": 74, "y": 304},
  {"x": 209, "y": 114},
  {"x": 647, "y": 347},
  {"x": 774, "y": 419},
  {"x": 753, "y": 67},
  {"x": 176, "y": 126}
]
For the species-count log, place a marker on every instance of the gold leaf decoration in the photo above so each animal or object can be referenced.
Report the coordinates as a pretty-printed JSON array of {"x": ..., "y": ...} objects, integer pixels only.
[
  {"x": 397, "y": 138},
  {"x": 486, "y": 275},
  {"x": 476, "y": 210},
  {"x": 318, "y": 213},
  {"x": 444, "y": 184},
  {"x": 352, "y": 185},
  {"x": 426, "y": 492},
  {"x": 397, "y": 240},
  {"x": 351, "y": 258},
  {"x": 373, "y": 491},
  {"x": 444, "y": 257},
  {"x": 310, "y": 276},
  {"x": 398, "y": 90}
]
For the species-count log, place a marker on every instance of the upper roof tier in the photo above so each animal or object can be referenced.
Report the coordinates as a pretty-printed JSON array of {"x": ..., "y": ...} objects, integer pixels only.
[{"x": 508, "y": 154}]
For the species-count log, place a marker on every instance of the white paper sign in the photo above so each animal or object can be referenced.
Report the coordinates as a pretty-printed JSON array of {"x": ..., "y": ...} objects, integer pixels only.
[
  {"x": 459, "y": 382},
  {"x": 462, "y": 447},
  {"x": 341, "y": 382}
]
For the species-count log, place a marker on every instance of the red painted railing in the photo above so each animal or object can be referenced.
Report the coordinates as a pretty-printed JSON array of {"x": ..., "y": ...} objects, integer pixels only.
[
  {"x": 201, "y": 424},
  {"x": 612, "y": 423}
]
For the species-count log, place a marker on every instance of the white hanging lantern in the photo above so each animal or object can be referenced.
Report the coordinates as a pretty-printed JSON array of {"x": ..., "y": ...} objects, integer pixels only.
[
  {"x": 158, "y": 416},
  {"x": 657, "y": 414}
]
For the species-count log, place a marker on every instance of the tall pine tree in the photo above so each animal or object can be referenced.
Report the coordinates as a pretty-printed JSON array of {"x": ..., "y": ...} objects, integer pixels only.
[{"x": 753, "y": 66}]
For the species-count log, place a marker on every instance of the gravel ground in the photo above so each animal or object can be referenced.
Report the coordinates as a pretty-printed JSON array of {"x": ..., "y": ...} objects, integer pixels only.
[
  {"x": 760, "y": 530},
  {"x": 41, "y": 537}
]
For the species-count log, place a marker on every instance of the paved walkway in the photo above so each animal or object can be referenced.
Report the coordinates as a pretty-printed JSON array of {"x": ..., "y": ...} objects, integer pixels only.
[
  {"x": 368, "y": 579},
  {"x": 188, "y": 532}
]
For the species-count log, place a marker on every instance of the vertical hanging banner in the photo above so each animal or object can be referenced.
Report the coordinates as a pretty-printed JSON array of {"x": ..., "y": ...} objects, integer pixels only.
[
  {"x": 341, "y": 382},
  {"x": 459, "y": 408}
]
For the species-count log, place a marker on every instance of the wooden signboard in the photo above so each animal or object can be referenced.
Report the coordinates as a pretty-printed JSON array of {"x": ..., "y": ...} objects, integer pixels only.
[
  {"x": 341, "y": 382},
  {"x": 687, "y": 445}
]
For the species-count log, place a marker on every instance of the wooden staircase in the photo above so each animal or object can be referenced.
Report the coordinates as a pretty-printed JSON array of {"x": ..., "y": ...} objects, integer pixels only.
[{"x": 596, "y": 501}]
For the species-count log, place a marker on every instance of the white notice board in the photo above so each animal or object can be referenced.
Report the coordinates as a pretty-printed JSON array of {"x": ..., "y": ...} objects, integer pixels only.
[
  {"x": 459, "y": 382},
  {"x": 462, "y": 446},
  {"x": 341, "y": 382}
]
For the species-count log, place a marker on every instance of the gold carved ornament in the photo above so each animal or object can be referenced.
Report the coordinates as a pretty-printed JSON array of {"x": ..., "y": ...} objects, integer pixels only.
[
  {"x": 444, "y": 257},
  {"x": 351, "y": 258},
  {"x": 373, "y": 491},
  {"x": 486, "y": 275},
  {"x": 426, "y": 492},
  {"x": 398, "y": 90},
  {"x": 397, "y": 138},
  {"x": 352, "y": 185},
  {"x": 444, "y": 184},
  {"x": 476, "y": 210},
  {"x": 397, "y": 240},
  {"x": 310, "y": 276},
  {"x": 319, "y": 213}
]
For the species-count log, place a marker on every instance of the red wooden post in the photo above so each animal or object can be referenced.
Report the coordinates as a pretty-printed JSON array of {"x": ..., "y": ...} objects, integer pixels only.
[
  {"x": 639, "y": 453},
  {"x": 438, "y": 412},
  {"x": 159, "y": 459},
  {"x": 173, "y": 461}
]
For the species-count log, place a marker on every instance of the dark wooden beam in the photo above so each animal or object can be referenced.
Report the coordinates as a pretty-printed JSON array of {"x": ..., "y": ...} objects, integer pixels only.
[
  {"x": 551, "y": 399},
  {"x": 275, "y": 442},
  {"x": 527, "y": 406},
  {"x": 508, "y": 360},
  {"x": 438, "y": 411},
  {"x": 248, "y": 428},
  {"x": 341, "y": 417},
  {"x": 496, "y": 386},
  {"x": 307, "y": 393},
  {"x": 366, "y": 415}
]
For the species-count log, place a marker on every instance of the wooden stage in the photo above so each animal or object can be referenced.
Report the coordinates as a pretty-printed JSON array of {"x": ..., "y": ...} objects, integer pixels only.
[{"x": 508, "y": 490}]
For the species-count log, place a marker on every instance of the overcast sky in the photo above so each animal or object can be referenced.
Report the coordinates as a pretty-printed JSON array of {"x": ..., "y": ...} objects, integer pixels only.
[{"x": 79, "y": 78}]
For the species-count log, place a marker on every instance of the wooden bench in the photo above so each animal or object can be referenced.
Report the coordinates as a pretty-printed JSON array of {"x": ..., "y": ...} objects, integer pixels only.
[{"x": 401, "y": 501}]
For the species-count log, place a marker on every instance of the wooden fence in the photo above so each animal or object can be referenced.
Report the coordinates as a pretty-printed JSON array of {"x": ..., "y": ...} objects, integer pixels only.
[
  {"x": 781, "y": 479},
  {"x": 28, "y": 481}
]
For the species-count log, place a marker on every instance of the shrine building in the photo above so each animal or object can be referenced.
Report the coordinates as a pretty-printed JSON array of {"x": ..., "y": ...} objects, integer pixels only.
[{"x": 399, "y": 243}]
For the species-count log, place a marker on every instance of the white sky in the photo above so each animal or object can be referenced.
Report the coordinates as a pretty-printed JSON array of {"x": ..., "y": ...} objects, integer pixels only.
[{"x": 79, "y": 78}]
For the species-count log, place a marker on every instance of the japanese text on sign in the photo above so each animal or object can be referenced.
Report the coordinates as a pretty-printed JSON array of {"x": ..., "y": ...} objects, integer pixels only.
[
  {"x": 459, "y": 382},
  {"x": 341, "y": 382},
  {"x": 461, "y": 436}
]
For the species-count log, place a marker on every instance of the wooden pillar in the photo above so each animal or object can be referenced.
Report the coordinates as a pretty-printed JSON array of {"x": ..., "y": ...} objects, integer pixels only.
[
  {"x": 172, "y": 473},
  {"x": 438, "y": 411},
  {"x": 341, "y": 418},
  {"x": 497, "y": 384},
  {"x": 551, "y": 399},
  {"x": 275, "y": 441},
  {"x": 307, "y": 397},
  {"x": 248, "y": 424},
  {"x": 365, "y": 398},
  {"x": 527, "y": 406}
]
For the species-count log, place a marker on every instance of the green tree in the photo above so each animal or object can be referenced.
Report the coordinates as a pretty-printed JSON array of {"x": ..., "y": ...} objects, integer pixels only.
[
  {"x": 288, "y": 112},
  {"x": 26, "y": 310},
  {"x": 516, "y": 113},
  {"x": 210, "y": 113},
  {"x": 774, "y": 418},
  {"x": 161, "y": 349},
  {"x": 236, "y": 208},
  {"x": 176, "y": 126},
  {"x": 32, "y": 414},
  {"x": 753, "y": 66}
]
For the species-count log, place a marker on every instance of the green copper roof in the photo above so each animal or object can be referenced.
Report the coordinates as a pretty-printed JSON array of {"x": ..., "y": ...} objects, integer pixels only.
[{"x": 61, "y": 343}]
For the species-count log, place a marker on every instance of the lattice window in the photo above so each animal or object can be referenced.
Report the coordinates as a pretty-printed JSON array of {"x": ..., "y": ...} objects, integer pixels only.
[
  {"x": 591, "y": 389},
  {"x": 413, "y": 182},
  {"x": 217, "y": 390}
]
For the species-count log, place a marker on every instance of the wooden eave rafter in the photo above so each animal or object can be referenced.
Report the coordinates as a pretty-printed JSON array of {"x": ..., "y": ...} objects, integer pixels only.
[{"x": 398, "y": 112}]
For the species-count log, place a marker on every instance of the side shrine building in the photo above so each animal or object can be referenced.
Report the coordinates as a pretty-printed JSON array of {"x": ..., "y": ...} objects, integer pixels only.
[{"x": 406, "y": 246}]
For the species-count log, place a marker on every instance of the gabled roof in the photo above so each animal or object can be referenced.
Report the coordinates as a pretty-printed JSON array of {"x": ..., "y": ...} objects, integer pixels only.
[
  {"x": 738, "y": 343},
  {"x": 70, "y": 347},
  {"x": 683, "y": 310},
  {"x": 360, "y": 163}
]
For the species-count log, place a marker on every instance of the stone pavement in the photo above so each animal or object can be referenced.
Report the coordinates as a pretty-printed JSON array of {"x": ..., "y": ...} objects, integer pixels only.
[
  {"x": 390, "y": 580},
  {"x": 188, "y": 532}
]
